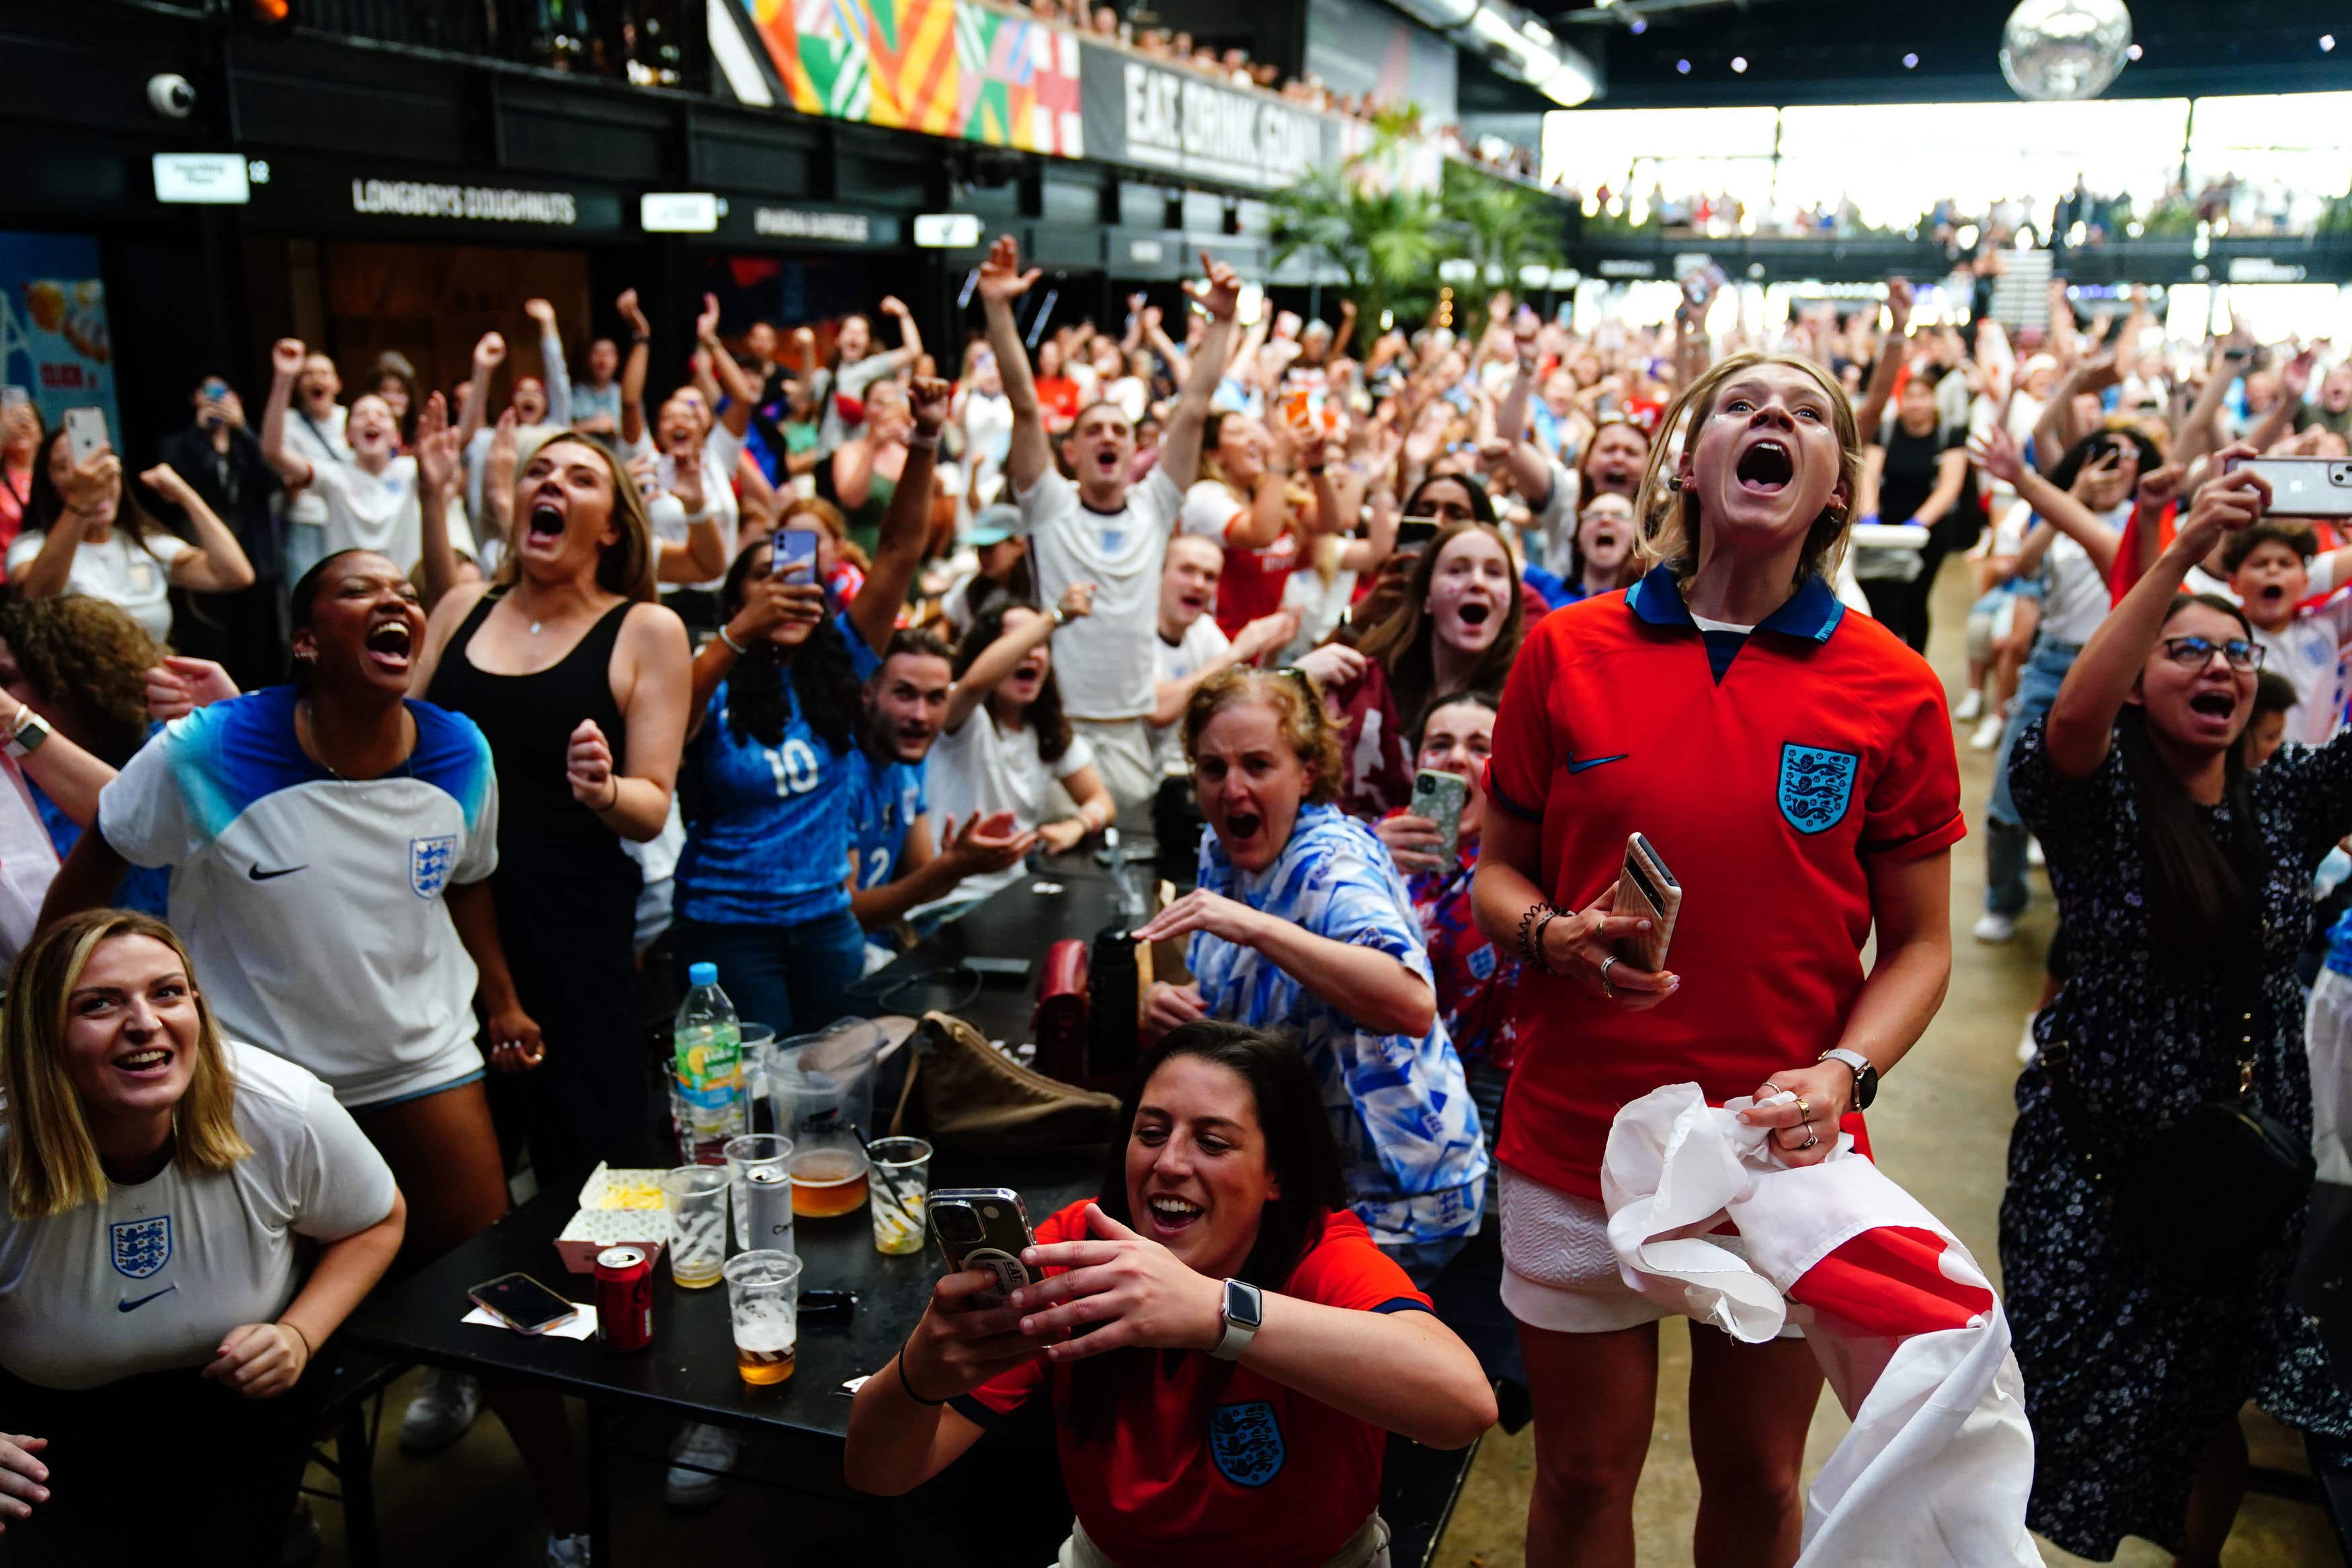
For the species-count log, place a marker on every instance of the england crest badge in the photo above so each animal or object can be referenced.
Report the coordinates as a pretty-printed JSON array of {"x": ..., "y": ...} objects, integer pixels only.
[
  {"x": 1247, "y": 1442},
  {"x": 142, "y": 1246},
  {"x": 430, "y": 861},
  {"x": 1816, "y": 787}
]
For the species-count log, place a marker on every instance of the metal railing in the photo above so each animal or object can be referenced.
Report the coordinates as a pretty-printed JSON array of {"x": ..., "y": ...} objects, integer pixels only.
[{"x": 649, "y": 43}]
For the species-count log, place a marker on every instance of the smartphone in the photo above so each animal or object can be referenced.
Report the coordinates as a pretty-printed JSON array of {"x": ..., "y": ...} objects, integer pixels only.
[
  {"x": 523, "y": 1305},
  {"x": 794, "y": 553},
  {"x": 1414, "y": 533},
  {"x": 2304, "y": 487},
  {"x": 14, "y": 397},
  {"x": 1440, "y": 796},
  {"x": 984, "y": 1227},
  {"x": 1647, "y": 890},
  {"x": 84, "y": 433}
]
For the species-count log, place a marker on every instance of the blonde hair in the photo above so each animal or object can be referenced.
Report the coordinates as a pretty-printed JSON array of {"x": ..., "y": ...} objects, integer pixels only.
[
  {"x": 1298, "y": 713},
  {"x": 1668, "y": 520},
  {"x": 50, "y": 1157},
  {"x": 627, "y": 566}
]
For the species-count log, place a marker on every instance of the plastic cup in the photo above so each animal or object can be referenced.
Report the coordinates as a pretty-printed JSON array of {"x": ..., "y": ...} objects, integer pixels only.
[
  {"x": 696, "y": 1197},
  {"x": 828, "y": 1181},
  {"x": 764, "y": 1303},
  {"x": 900, "y": 1181},
  {"x": 764, "y": 1150}
]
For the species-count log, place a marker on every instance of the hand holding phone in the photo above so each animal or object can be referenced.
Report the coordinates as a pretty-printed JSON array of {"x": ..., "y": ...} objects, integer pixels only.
[
  {"x": 2302, "y": 486},
  {"x": 984, "y": 1229},
  {"x": 85, "y": 434},
  {"x": 1647, "y": 891},
  {"x": 793, "y": 555},
  {"x": 1440, "y": 796}
]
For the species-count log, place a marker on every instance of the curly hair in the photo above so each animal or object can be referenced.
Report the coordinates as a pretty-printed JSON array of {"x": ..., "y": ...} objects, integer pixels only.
[
  {"x": 85, "y": 660},
  {"x": 1045, "y": 716},
  {"x": 823, "y": 678},
  {"x": 1298, "y": 713}
]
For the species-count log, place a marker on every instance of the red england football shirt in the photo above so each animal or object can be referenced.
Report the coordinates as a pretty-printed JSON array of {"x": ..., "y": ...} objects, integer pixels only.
[
  {"x": 1210, "y": 1462},
  {"x": 1825, "y": 746}
]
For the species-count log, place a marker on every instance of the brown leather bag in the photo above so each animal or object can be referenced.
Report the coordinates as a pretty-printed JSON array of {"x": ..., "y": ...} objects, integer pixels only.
[{"x": 963, "y": 1093}]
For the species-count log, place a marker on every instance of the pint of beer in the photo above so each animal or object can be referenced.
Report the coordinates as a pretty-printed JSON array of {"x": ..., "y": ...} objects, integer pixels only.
[{"x": 763, "y": 1291}]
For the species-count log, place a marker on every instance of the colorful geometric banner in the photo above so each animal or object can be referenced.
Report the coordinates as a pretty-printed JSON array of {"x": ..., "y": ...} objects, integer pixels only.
[{"x": 938, "y": 66}]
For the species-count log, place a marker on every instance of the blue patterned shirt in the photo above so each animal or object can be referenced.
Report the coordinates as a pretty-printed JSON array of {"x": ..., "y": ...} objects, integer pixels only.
[{"x": 1400, "y": 1104}]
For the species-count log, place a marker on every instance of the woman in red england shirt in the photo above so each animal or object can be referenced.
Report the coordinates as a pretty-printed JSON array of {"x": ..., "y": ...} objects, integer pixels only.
[
  {"x": 1793, "y": 766},
  {"x": 1187, "y": 1436}
]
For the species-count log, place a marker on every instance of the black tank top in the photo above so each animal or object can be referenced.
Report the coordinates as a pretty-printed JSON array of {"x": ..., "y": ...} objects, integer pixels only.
[{"x": 529, "y": 720}]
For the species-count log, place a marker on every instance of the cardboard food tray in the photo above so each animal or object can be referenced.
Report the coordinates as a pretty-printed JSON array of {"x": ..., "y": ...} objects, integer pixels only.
[{"x": 612, "y": 1213}]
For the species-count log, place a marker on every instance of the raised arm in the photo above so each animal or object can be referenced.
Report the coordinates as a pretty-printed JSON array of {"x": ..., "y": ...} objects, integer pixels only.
[
  {"x": 489, "y": 353},
  {"x": 905, "y": 521},
  {"x": 1998, "y": 455},
  {"x": 1179, "y": 364},
  {"x": 285, "y": 365},
  {"x": 2081, "y": 721},
  {"x": 1003, "y": 656},
  {"x": 554, "y": 374},
  {"x": 910, "y": 337},
  {"x": 217, "y": 564},
  {"x": 1890, "y": 359},
  {"x": 1180, "y": 445},
  {"x": 2200, "y": 428},
  {"x": 437, "y": 452},
  {"x": 1002, "y": 282},
  {"x": 2278, "y": 423},
  {"x": 741, "y": 390},
  {"x": 633, "y": 369}
]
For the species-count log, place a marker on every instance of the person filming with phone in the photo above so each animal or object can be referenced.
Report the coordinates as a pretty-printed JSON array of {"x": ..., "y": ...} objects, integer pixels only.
[
  {"x": 1204, "y": 1330},
  {"x": 1300, "y": 922},
  {"x": 164, "y": 1184},
  {"x": 1794, "y": 765}
]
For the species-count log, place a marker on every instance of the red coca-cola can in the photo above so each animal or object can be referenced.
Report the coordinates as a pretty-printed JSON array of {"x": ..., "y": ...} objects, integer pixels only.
[{"x": 625, "y": 1298}]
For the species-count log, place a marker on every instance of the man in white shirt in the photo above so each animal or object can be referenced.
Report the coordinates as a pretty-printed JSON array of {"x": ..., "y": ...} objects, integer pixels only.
[
  {"x": 315, "y": 435},
  {"x": 1099, "y": 529},
  {"x": 370, "y": 500},
  {"x": 1192, "y": 646}
]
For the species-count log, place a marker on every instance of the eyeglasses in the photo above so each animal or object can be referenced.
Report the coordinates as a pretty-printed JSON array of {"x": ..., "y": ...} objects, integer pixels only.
[{"x": 2196, "y": 653}]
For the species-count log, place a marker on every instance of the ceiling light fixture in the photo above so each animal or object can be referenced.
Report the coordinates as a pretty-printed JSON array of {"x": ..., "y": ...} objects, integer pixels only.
[
  {"x": 1739, "y": 65},
  {"x": 1910, "y": 62},
  {"x": 1683, "y": 66}
]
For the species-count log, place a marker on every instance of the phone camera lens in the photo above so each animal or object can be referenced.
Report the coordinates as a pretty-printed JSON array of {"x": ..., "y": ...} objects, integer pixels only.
[{"x": 957, "y": 1224}]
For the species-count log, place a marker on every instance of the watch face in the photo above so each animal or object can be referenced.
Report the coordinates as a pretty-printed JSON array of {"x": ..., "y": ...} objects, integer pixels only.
[{"x": 1242, "y": 1304}]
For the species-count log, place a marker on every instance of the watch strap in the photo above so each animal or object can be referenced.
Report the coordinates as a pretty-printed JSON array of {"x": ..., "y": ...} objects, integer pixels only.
[{"x": 31, "y": 730}]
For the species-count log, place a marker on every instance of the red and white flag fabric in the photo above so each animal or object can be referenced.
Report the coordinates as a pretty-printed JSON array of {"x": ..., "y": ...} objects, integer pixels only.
[{"x": 1709, "y": 1223}]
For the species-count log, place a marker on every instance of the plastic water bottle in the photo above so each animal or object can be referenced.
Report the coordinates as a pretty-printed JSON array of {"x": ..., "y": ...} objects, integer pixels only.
[{"x": 708, "y": 1044}]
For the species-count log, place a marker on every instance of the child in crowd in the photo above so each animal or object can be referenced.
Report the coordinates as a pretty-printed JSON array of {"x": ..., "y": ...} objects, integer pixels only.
[{"x": 2269, "y": 566}]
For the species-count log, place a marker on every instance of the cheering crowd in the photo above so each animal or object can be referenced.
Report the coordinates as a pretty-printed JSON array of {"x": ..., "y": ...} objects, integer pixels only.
[{"x": 372, "y": 761}]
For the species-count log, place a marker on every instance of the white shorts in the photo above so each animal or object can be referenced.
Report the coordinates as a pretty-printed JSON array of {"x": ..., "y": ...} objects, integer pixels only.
[{"x": 1558, "y": 1270}]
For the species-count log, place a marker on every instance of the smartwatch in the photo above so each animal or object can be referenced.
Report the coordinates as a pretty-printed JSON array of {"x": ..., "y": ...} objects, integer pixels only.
[
  {"x": 1243, "y": 1312},
  {"x": 1865, "y": 1076},
  {"x": 31, "y": 730}
]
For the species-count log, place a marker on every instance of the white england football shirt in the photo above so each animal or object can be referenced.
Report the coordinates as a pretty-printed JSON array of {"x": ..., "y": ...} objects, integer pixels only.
[
  {"x": 311, "y": 905},
  {"x": 151, "y": 1275}
]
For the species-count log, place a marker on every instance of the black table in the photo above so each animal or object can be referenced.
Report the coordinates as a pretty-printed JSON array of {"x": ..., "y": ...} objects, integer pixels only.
[{"x": 688, "y": 1372}]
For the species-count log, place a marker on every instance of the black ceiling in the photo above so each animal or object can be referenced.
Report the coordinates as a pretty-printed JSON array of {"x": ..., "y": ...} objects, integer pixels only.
[{"x": 1851, "y": 51}]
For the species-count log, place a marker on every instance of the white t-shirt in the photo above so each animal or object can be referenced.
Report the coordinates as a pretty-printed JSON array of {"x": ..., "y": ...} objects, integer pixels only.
[
  {"x": 136, "y": 576},
  {"x": 981, "y": 769},
  {"x": 2309, "y": 651},
  {"x": 151, "y": 1278},
  {"x": 1211, "y": 509},
  {"x": 720, "y": 449},
  {"x": 318, "y": 445},
  {"x": 2077, "y": 598},
  {"x": 1204, "y": 644},
  {"x": 311, "y": 905},
  {"x": 379, "y": 512},
  {"x": 1104, "y": 664}
]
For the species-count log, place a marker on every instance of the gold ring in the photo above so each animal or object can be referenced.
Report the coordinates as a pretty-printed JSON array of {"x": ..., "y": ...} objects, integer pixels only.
[{"x": 1804, "y": 1110}]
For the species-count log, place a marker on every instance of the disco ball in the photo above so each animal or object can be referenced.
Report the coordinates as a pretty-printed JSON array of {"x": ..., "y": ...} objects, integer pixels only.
[{"x": 2064, "y": 48}]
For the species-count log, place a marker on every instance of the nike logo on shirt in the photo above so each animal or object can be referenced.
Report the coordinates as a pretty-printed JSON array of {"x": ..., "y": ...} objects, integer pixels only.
[
  {"x": 1576, "y": 767},
  {"x": 257, "y": 874},
  {"x": 134, "y": 1306}
]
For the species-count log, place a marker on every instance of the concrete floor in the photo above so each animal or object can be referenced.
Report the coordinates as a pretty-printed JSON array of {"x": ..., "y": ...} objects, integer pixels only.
[{"x": 1941, "y": 1130}]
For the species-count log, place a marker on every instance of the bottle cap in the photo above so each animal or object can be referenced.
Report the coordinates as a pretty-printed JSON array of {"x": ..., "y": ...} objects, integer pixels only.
[{"x": 702, "y": 974}]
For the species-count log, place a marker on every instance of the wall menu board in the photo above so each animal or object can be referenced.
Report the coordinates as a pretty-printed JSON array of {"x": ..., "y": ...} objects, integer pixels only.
[
  {"x": 54, "y": 342},
  {"x": 1151, "y": 116},
  {"x": 940, "y": 66}
]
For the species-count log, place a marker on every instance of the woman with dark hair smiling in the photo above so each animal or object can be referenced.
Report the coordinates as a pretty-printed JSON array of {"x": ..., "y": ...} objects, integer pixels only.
[
  {"x": 1222, "y": 1235},
  {"x": 1300, "y": 922}
]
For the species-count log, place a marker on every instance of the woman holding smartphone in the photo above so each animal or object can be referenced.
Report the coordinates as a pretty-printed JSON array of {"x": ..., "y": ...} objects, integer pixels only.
[
  {"x": 163, "y": 1187},
  {"x": 1793, "y": 766},
  {"x": 1217, "y": 1408},
  {"x": 1299, "y": 923}
]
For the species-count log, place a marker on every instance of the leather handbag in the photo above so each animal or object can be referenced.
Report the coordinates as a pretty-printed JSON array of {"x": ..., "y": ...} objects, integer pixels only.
[{"x": 964, "y": 1094}]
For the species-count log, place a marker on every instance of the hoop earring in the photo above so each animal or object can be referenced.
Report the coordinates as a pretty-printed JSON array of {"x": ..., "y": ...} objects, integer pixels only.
[{"x": 1673, "y": 481}]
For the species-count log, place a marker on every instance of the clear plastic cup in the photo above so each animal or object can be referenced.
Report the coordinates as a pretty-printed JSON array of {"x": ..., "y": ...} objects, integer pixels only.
[
  {"x": 827, "y": 1181},
  {"x": 763, "y": 1309},
  {"x": 899, "y": 1184},
  {"x": 696, "y": 1197},
  {"x": 761, "y": 1151}
]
